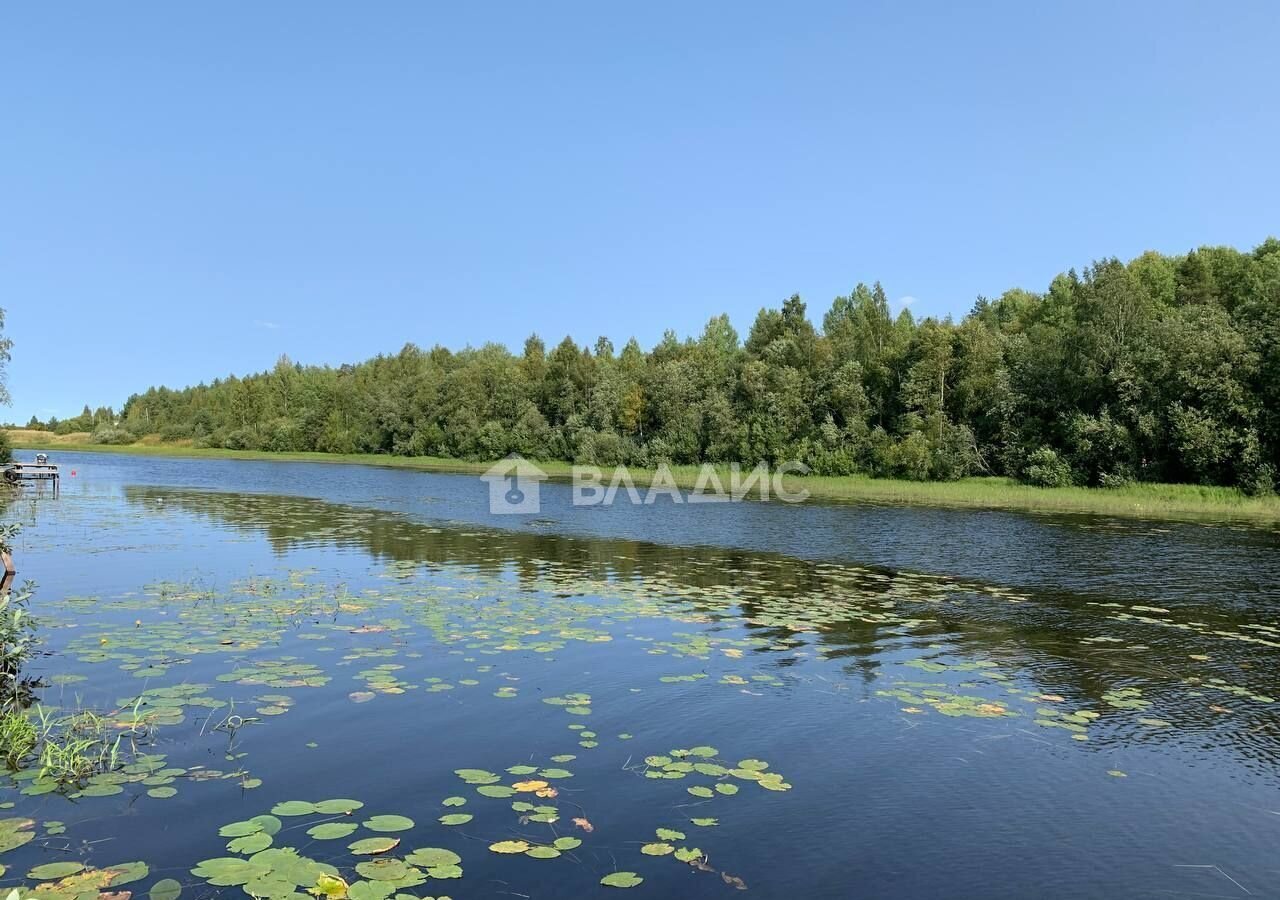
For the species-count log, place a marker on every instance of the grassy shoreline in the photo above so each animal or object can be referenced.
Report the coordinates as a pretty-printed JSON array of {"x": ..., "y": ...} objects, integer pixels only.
[{"x": 1149, "y": 501}]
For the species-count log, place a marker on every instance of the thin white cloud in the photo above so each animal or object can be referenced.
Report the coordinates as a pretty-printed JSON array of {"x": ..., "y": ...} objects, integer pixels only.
[
  {"x": 262, "y": 323},
  {"x": 904, "y": 301}
]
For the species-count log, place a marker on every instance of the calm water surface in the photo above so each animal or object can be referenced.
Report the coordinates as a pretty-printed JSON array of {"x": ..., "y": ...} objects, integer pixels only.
[{"x": 880, "y": 702}]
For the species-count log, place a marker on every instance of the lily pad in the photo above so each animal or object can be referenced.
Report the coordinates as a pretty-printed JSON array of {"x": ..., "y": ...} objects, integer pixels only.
[
  {"x": 54, "y": 870},
  {"x": 294, "y": 808},
  {"x": 166, "y": 889},
  {"x": 373, "y": 845},
  {"x": 509, "y": 847},
  {"x": 621, "y": 880},
  {"x": 388, "y": 823}
]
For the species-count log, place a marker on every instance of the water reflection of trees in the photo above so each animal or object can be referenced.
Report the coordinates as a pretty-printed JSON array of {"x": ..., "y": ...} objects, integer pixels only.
[{"x": 1047, "y": 637}]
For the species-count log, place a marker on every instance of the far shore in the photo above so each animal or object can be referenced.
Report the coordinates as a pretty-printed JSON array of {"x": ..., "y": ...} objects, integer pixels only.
[{"x": 1148, "y": 501}]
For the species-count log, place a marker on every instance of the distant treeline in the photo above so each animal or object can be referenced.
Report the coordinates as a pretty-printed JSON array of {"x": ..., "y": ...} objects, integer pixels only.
[{"x": 1164, "y": 369}]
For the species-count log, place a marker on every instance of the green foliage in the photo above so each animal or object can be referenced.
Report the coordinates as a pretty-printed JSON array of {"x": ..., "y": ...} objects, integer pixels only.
[
  {"x": 18, "y": 737},
  {"x": 112, "y": 434},
  {"x": 1046, "y": 469},
  {"x": 17, "y": 636},
  {"x": 1165, "y": 369}
]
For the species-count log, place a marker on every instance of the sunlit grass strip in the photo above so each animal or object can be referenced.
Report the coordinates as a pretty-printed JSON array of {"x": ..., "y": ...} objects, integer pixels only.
[{"x": 1154, "y": 501}]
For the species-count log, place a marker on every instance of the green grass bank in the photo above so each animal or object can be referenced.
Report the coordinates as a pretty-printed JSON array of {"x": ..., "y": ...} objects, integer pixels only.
[{"x": 1149, "y": 501}]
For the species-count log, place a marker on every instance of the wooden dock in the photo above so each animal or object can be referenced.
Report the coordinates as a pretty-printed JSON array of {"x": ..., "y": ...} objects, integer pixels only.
[{"x": 18, "y": 472}]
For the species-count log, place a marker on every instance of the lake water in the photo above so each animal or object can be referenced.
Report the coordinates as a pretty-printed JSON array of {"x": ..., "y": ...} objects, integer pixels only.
[{"x": 812, "y": 700}]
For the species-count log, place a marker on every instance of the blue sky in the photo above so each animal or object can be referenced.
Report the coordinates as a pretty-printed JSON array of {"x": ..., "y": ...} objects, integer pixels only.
[{"x": 190, "y": 190}]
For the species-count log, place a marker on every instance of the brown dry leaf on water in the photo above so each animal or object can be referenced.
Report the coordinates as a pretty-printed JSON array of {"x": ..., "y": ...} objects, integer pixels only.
[
  {"x": 584, "y": 824},
  {"x": 547, "y": 792},
  {"x": 1051, "y": 698},
  {"x": 912, "y": 709},
  {"x": 991, "y": 709},
  {"x": 530, "y": 787},
  {"x": 115, "y": 895},
  {"x": 1219, "y": 709},
  {"x": 361, "y": 696},
  {"x": 369, "y": 629},
  {"x": 80, "y": 883}
]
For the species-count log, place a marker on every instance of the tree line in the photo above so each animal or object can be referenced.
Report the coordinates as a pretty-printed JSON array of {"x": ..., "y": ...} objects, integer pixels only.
[{"x": 1166, "y": 368}]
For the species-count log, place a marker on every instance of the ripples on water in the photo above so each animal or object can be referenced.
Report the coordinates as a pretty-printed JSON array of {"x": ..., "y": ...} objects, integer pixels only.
[{"x": 964, "y": 704}]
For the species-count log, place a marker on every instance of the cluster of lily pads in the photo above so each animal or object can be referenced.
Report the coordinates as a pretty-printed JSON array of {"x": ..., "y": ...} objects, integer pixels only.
[{"x": 365, "y": 869}]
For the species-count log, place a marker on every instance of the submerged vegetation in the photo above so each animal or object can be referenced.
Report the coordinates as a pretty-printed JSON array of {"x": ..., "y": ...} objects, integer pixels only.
[
  {"x": 521, "y": 710},
  {"x": 1164, "y": 369}
]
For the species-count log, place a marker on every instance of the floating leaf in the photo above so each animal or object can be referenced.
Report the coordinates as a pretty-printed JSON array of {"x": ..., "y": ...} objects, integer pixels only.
[
  {"x": 240, "y": 829},
  {"x": 621, "y": 880},
  {"x": 657, "y": 849},
  {"x": 294, "y": 808},
  {"x": 338, "y": 807},
  {"x": 388, "y": 823},
  {"x": 456, "y": 819},
  {"x": 250, "y": 843},
  {"x": 373, "y": 845},
  {"x": 331, "y": 887},
  {"x": 499, "y": 791},
  {"x": 431, "y": 857},
  {"x": 509, "y": 847},
  {"x": 166, "y": 889},
  {"x": 54, "y": 870},
  {"x": 542, "y": 852},
  {"x": 331, "y": 830}
]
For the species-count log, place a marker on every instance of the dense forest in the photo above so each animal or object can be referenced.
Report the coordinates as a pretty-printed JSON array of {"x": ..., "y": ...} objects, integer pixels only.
[{"x": 1164, "y": 369}]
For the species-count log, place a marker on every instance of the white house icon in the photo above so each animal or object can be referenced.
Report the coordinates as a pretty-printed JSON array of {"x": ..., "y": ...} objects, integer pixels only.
[{"x": 514, "y": 483}]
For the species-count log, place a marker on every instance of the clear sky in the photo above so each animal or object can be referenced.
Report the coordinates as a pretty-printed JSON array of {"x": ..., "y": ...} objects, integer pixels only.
[{"x": 189, "y": 190}]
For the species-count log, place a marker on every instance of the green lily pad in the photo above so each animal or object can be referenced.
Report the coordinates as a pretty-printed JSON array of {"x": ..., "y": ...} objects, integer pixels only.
[
  {"x": 388, "y": 823},
  {"x": 432, "y": 857},
  {"x": 294, "y": 808},
  {"x": 337, "y": 807},
  {"x": 509, "y": 847},
  {"x": 621, "y": 880},
  {"x": 373, "y": 845},
  {"x": 54, "y": 870},
  {"x": 165, "y": 889},
  {"x": 250, "y": 843}
]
